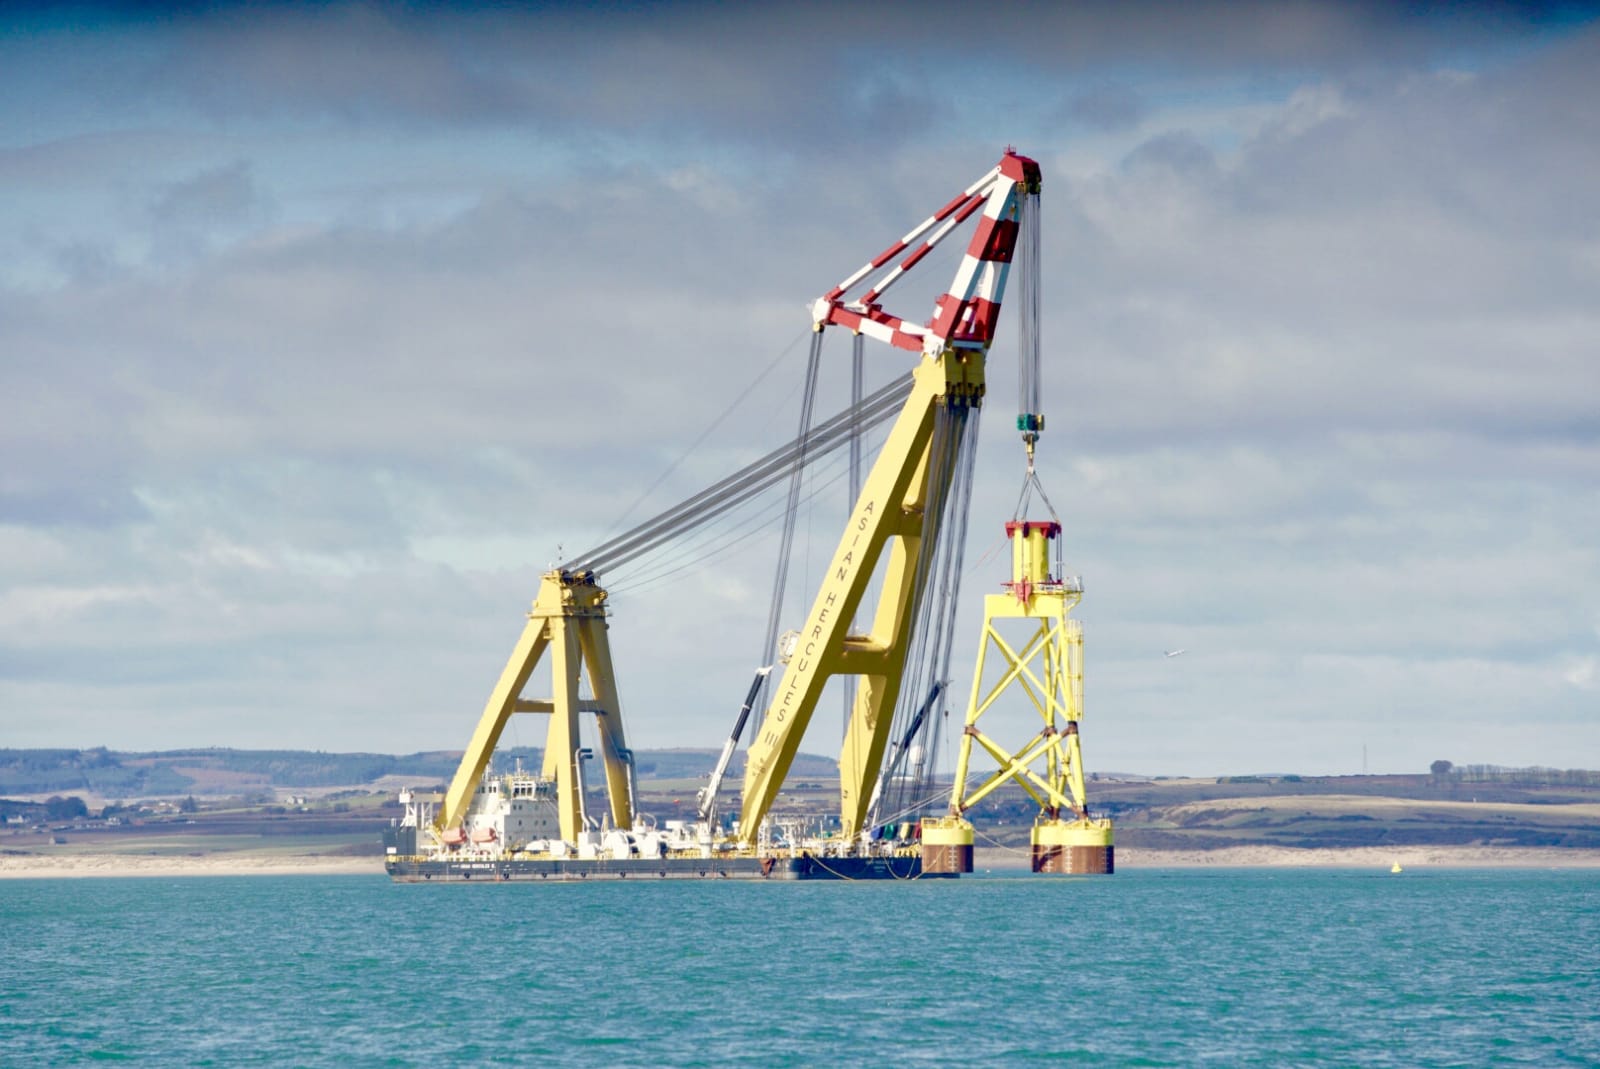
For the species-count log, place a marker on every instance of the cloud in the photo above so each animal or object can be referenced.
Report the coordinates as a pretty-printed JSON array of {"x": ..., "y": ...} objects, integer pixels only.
[
  {"x": 1371, "y": 206},
  {"x": 1108, "y": 107},
  {"x": 760, "y": 72},
  {"x": 317, "y": 345},
  {"x": 221, "y": 195}
]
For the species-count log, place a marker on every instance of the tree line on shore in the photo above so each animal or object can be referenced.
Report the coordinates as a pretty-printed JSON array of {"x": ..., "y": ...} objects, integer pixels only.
[{"x": 1529, "y": 776}]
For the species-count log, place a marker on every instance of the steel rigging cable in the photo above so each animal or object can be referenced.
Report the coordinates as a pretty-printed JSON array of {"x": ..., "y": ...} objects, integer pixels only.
[
  {"x": 712, "y": 502},
  {"x": 808, "y": 399},
  {"x": 1030, "y": 414},
  {"x": 697, "y": 547}
]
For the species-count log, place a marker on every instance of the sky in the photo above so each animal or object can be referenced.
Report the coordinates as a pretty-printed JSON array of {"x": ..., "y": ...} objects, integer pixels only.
[{"x": 326, "y": 329}]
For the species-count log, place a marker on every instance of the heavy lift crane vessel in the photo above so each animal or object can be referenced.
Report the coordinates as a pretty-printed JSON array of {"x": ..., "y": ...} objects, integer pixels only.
[{"x": 896, "y": 522}]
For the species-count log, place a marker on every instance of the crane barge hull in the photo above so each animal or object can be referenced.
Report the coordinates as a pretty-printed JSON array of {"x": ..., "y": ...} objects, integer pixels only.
[
  {"x": 512, "y": 830},
  {"x": 804, "y": 867}
]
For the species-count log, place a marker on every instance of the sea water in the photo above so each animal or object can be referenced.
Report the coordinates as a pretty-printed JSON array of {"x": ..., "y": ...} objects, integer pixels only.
[{"x": 1149, "y": 967}]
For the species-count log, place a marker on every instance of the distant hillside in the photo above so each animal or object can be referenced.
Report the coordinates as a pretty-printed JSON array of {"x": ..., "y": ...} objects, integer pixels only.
[
  {"x": 1476, "y": 805},
  {"x": 114, "y": 774},
  {"x": 118, "y": 774}
]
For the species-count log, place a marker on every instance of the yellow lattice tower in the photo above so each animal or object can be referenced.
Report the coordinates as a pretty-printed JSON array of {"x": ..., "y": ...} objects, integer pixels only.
[{"x": 1047, "y": 667}]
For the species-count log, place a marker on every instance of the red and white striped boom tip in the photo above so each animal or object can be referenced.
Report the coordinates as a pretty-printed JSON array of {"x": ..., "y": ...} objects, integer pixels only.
[{"x": 964, "y": 317}]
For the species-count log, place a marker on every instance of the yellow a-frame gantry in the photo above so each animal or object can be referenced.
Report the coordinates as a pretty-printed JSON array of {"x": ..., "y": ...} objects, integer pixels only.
[
  {"x": 1047, "y": 666},
  {"x": 569, "y": 620}
]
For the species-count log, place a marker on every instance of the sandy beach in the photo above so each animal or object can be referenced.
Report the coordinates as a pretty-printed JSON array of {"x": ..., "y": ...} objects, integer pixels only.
[
  {"x": 991, "y": 859},
  {"x": 16, "y": 866}
]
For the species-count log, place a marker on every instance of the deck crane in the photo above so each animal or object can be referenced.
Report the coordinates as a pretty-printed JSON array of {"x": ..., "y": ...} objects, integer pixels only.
[
  {"x": 906, "y": 532},
  {"x": 706, "y": 803}
]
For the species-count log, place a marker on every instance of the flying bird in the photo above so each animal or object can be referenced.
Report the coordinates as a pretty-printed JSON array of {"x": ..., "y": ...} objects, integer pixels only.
[{"x": 1174, "y": 653}]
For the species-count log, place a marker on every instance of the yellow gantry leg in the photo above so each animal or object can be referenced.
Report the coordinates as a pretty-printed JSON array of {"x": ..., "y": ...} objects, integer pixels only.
[
  {"x": 502, "y": 702},
  {"x": 561, "y": 741},
  {"x": 568, "y": 619},
  {"x": 618, "y": 761}
]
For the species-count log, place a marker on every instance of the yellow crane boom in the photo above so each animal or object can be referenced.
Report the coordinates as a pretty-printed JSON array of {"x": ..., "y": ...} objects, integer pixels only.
[
  {"x": 891, "y": 523},
  {"x": 888, "y": 516}
]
